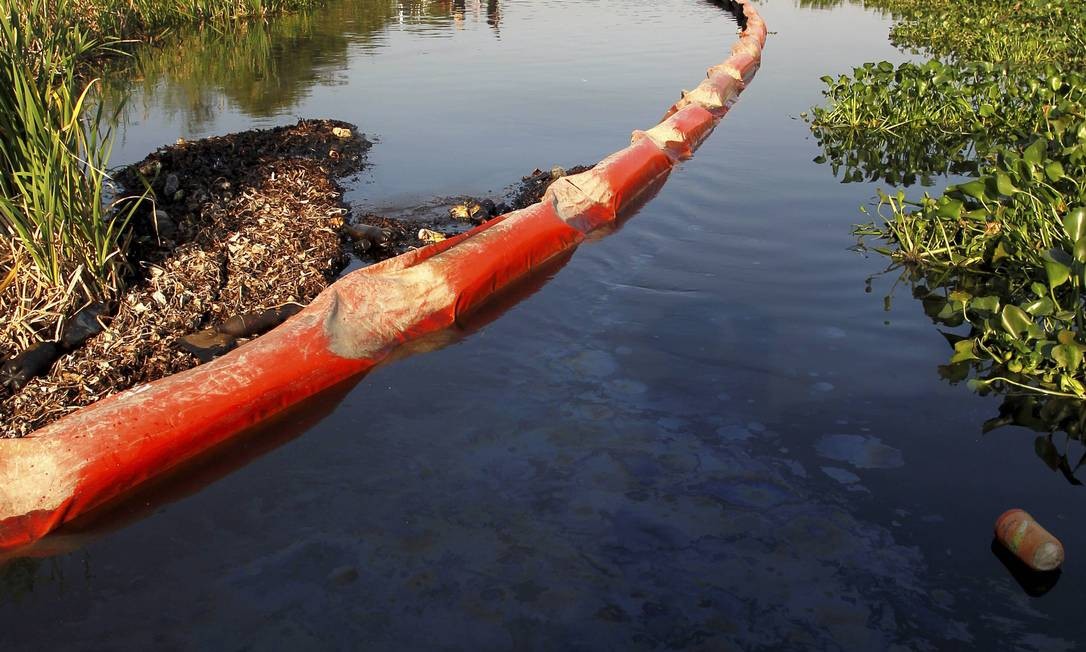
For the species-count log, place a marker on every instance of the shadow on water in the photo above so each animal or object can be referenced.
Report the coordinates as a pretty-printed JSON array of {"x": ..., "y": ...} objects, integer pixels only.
[
  {"x": 1060, "y": 422},
  {"x": 869, "y": 156},
  {"x": 1034, "y": 583}
]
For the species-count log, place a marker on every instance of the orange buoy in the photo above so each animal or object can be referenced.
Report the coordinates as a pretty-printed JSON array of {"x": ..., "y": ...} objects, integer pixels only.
[
  {"x": 1023, "y": 535},
  {"x": 107, "y": 450}
]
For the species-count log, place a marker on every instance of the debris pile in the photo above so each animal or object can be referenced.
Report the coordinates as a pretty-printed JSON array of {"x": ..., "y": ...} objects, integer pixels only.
[
  {"x": 242, "y": 231},
  {"x": 378, "y": 237},
  {"x": 243, "y": 227}
]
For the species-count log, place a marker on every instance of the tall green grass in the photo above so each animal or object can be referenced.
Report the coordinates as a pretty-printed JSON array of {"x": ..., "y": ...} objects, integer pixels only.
[
  {"x": 141, "y": 18},
  {"x": 62, "y": 245}
]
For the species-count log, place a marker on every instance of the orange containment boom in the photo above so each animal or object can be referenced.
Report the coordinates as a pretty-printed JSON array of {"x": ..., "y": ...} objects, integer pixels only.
[{"x": 104, "y": 451}]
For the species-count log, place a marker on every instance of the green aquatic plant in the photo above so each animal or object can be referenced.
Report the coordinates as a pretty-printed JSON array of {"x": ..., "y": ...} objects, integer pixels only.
[
  {"x": 1022, "y": 33},
  {"x": 896, "y": 123},
  {"x": 1007, "y": 242},
  {"x": 968, "y": 306},
  {"x": 136, "y": 19},
  {"x": 1021, "y": 222}
]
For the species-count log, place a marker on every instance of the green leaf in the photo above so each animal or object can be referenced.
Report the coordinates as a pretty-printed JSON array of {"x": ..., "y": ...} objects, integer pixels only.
[
  {"x": 963, "y": 351},
  {"x": 1070, "y": 384},
  {"x": 1067, "y": 356},
  {"x": 960, "y": 296},
  {"x": 1015, "y": 320},
  {"x": 987, "y": 110},
  {"x": 974, "y": 189},
  {"x": 1080, "y": 250},
  {"x": 1004, "y": 184},
  {"x": 1054, "y": 171},
  {"x": 1042, "y": 307},
  {"x": 952, "y": 209},
  {"x": 976, "y": 384},
  {"x": 946, "y": 312},
  {"x": 1058, "y": 273},
  {"x": 1074, "y": 224},
  {"x": 1035, "y": 153},
  {"x": 988, "y": 304},
  {"x": 1057, "y": 270}
]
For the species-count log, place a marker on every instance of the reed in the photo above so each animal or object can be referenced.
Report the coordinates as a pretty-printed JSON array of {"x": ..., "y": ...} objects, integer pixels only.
[
  {"x": 63, "y": 244},
  {"x": 142, "y": 18}
]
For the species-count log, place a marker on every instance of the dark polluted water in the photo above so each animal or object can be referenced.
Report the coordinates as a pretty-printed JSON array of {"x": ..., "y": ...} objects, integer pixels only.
[{"x": 698, "y": 432}]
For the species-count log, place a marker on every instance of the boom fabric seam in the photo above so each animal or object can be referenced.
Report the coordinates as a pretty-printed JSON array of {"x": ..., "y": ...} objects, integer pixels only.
[{"x": 105, "y": 450}]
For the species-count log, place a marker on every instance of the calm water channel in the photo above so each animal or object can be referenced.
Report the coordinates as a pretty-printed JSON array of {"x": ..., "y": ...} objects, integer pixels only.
[{"x": 702, "y": 433}]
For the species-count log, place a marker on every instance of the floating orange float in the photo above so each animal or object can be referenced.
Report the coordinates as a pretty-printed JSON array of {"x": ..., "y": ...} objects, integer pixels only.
[
  {"x": 1027, "y": 539},
  {"x": 106, "y": 450}
]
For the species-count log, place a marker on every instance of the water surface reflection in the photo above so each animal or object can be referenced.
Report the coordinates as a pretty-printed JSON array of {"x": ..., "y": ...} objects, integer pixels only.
[{"x": 701, "y": 434}]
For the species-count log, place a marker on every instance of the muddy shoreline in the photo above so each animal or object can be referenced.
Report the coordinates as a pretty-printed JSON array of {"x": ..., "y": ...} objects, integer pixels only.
[
  {"x": 236, "y": 224},
  {"x": 238, "y": 233}
]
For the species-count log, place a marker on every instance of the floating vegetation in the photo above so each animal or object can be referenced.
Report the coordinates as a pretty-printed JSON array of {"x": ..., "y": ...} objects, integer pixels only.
[
  {"x": 1020, "y": 34},
  {"x": 953, "y": 298},
  {"x": 1003, "y": 252}
]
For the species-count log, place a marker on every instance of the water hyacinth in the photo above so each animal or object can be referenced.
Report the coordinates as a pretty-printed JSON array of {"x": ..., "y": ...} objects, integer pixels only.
[{"x": 1001, "y": 253}]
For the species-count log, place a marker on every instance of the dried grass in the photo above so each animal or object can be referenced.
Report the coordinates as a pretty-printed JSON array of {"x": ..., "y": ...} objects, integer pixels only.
[{"x": 258, "y": 225}]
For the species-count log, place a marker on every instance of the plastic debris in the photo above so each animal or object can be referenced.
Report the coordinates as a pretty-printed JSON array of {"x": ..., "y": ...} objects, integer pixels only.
[
  {"x": 1023, "y": 535},
  {"x": 83, "y": 325},
  {"x": 1033, "y": 583},
  {"x": 460, "y": 212},
  {"x": 255, "y": 323},
  {"x": 32, "y": 362},
  {"x": 366, "y": 235},
  {"x": 426, "y": 235},
  {"x": 207, "y": 344},
  {"x": 477, "y": 212}
]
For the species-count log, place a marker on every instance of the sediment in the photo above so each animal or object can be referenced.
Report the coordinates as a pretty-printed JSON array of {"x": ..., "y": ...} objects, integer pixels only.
[{"x": 252, "y": 221}]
